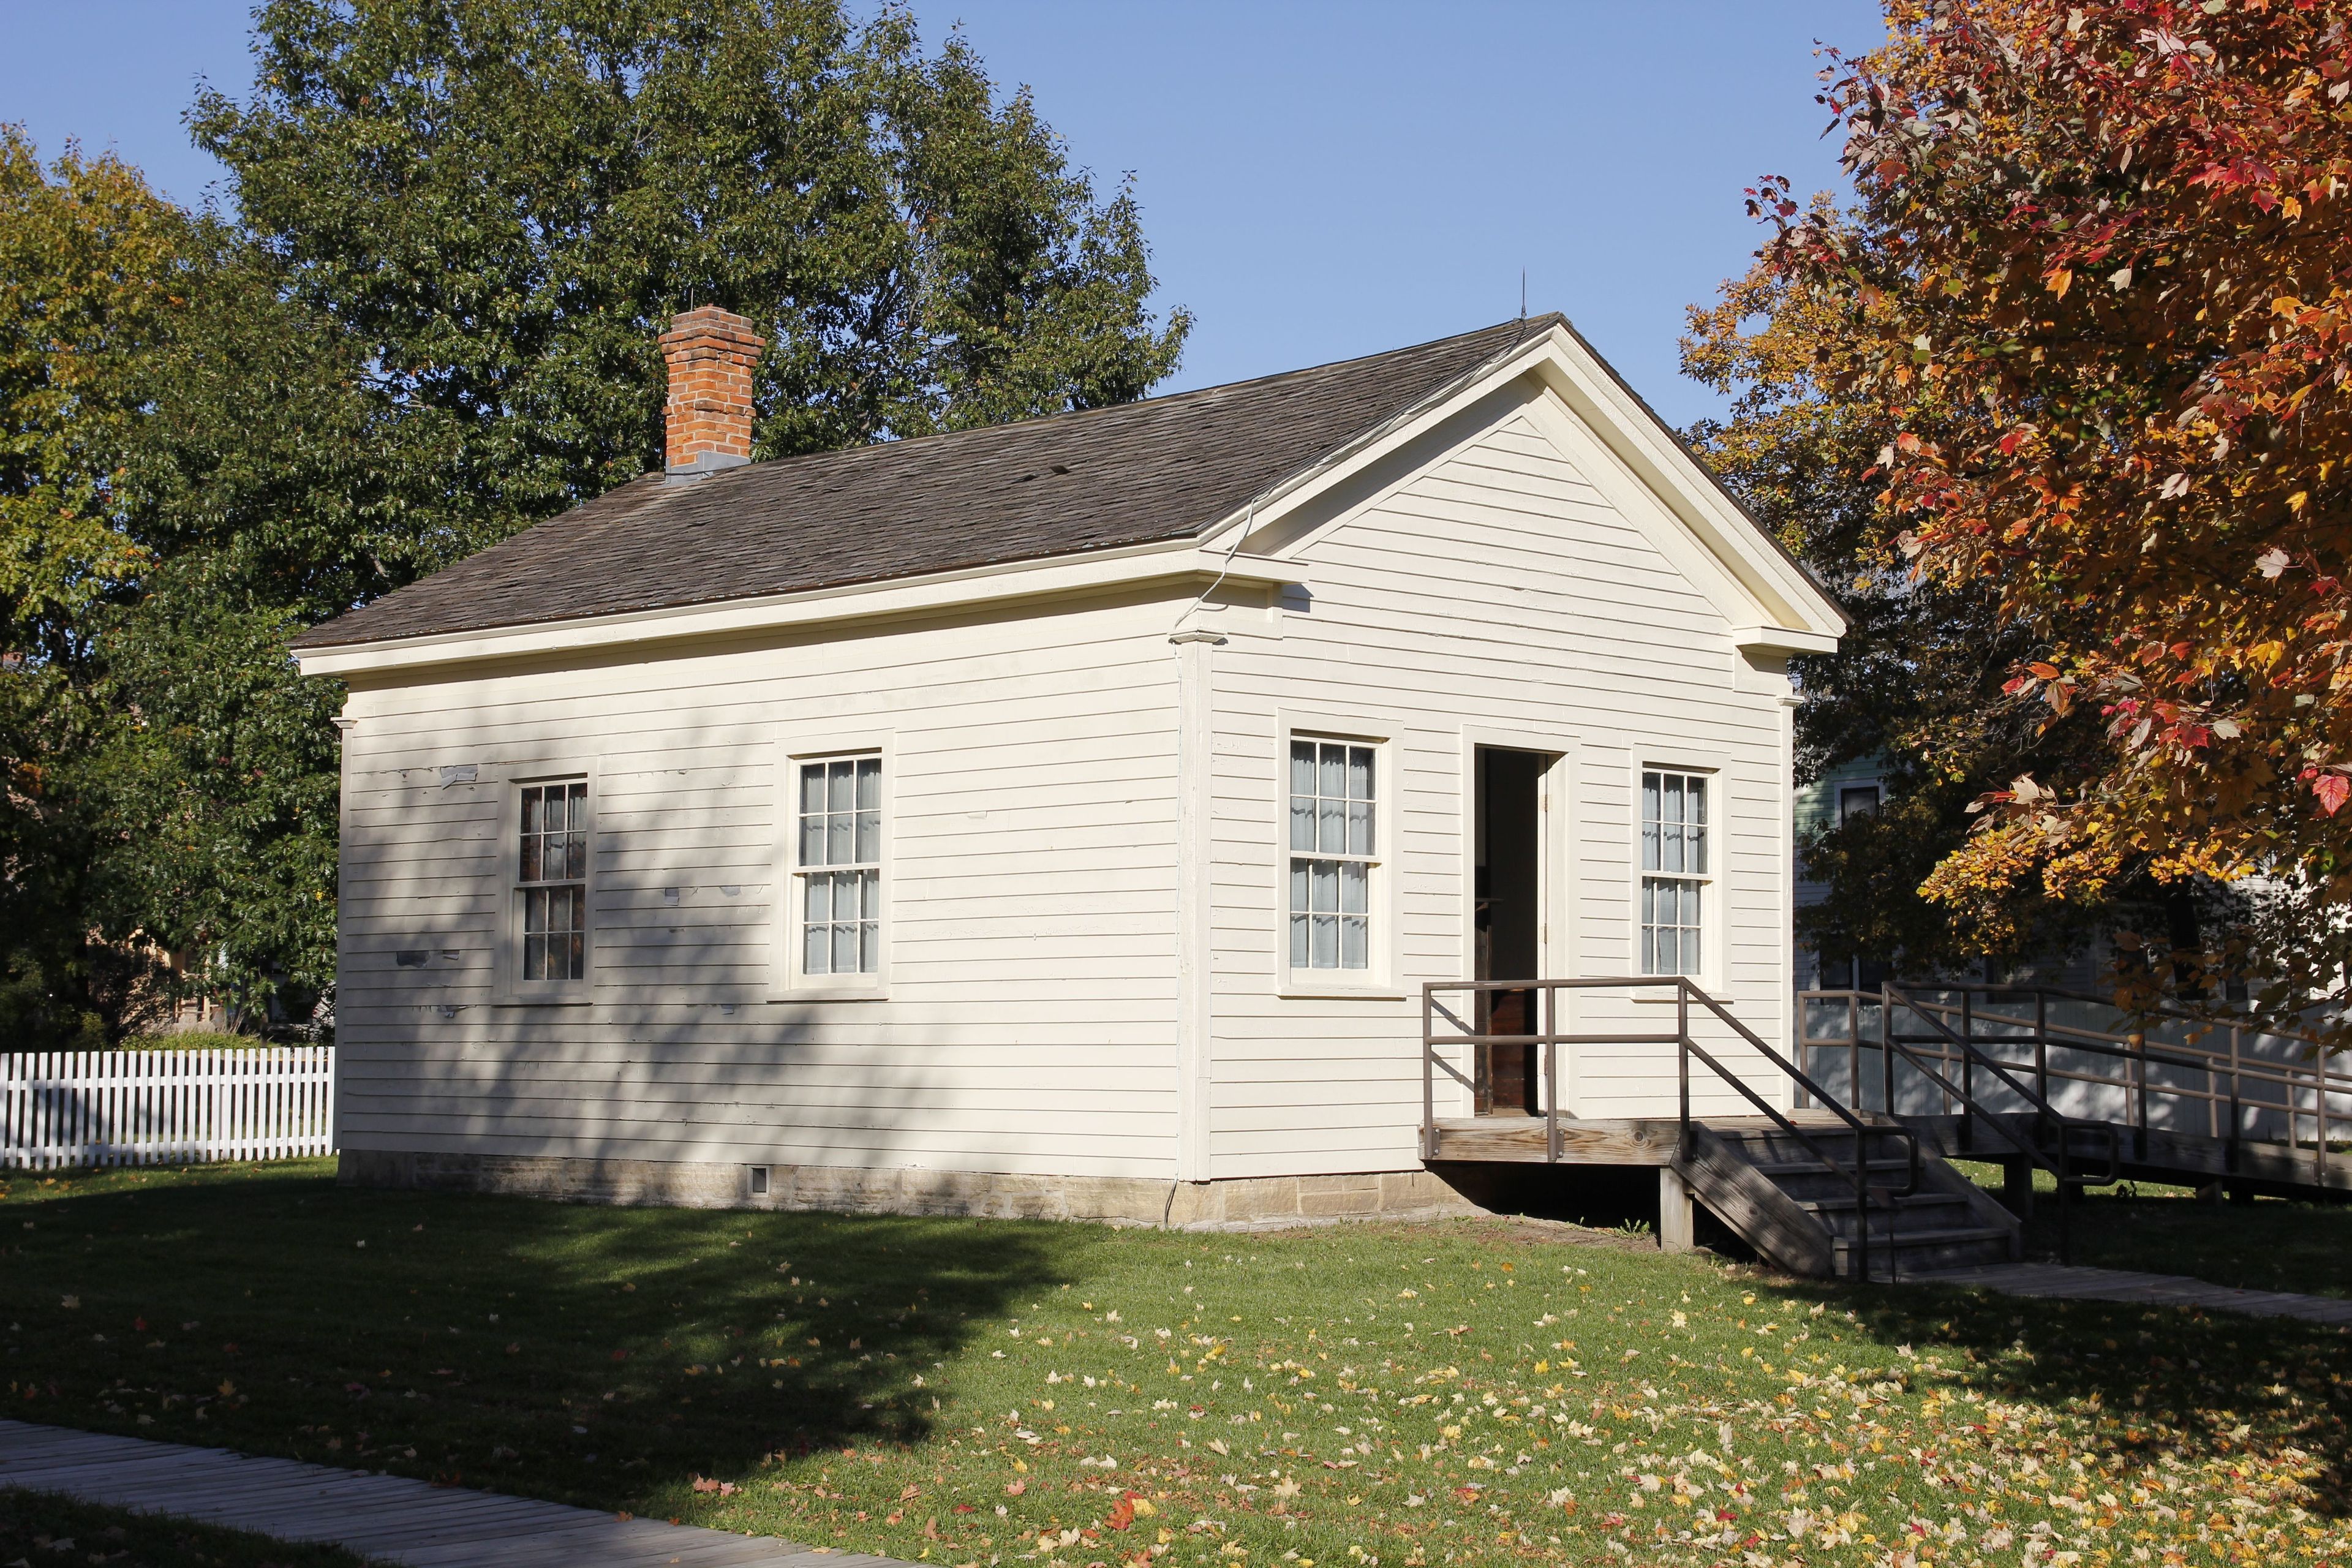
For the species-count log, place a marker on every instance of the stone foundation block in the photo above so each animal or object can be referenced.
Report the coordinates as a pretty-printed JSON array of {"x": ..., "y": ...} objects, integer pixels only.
[{"x": 1249, "y": 1203}]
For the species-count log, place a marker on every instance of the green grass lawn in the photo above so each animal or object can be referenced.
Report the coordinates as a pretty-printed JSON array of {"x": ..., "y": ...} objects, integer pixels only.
[
  {"x": 39, "y": 1531},
  {"x": 968, "y": 1391},
  {"x": 2268, "y": 1244}
]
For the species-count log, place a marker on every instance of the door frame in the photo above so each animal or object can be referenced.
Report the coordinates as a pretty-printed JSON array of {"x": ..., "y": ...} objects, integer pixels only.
[{"x": 1555, "y": 869}]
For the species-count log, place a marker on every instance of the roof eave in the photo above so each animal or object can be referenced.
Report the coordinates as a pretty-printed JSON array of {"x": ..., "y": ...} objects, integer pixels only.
[{"x": 1173, "y": 562}]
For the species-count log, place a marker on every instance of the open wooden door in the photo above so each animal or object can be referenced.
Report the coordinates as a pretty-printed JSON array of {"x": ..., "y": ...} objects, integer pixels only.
[{"x": 1508, "y": 923}]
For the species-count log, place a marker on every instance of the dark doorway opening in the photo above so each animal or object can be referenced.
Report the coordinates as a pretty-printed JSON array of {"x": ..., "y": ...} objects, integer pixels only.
[{"x": 1510, "y": 924}]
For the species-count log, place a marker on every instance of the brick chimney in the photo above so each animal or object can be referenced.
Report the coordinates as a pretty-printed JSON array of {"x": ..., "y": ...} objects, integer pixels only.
[{"x": 710, "y": 353}]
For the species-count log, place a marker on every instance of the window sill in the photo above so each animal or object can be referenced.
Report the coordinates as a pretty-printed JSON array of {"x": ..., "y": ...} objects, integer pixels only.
[
  {"x": 1664, "y": 996},
  {"x": 1320, "y": 990},
  {"x": 834, "y": 994}
]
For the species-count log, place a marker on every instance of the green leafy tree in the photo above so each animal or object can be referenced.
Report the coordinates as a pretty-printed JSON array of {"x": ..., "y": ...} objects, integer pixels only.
[
  {"x": 504, "y": 201},
  {"x": 90, "y": 263}
]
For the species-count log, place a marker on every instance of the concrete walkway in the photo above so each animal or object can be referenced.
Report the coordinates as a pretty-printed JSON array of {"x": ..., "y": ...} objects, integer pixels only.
[
  {"x": 2051, "y": 1279},
  {"x": 389, "y": 1519}
]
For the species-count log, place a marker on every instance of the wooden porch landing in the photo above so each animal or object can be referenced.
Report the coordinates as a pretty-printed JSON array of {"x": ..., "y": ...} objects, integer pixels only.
[
  {"x": 388, "y": 1519},
  {"x": 1604, "y": 1140}
]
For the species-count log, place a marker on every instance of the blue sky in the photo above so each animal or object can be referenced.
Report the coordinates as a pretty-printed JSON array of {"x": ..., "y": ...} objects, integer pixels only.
[{"x": 1319, "y": 179}]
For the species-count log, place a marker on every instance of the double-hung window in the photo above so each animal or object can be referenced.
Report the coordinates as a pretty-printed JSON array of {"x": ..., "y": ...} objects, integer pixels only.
[
  {"x": 1334, "y": 840},
  {"x": 550, "y": 890},
  {"x": 1674, "y": 872},
  {"x": 839, "y": 868}
]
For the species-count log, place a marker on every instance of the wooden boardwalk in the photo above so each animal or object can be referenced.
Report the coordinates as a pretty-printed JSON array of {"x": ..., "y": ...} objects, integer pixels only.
[
  {"x": 2059, "y": 1281},
  {"x": 388, "y": 1519}
]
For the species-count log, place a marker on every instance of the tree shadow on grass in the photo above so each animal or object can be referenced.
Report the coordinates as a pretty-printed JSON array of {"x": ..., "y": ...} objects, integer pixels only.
[
  {"x": 606, "y": 1356},
  {"x": 2158, "y": 1379}
]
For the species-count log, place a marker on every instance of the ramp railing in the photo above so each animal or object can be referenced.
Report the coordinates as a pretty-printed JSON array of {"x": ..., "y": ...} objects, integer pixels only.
[{"x": 2085, "y": 1060}]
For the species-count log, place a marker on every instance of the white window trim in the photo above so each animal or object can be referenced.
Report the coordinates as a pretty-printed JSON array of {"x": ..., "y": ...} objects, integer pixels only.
[
  {"x": 1377, "y": 981},
  {"x": 1714, "y": 928},
  {"x": 511, "y": 988},
  {"x": 789, "y": 983}
]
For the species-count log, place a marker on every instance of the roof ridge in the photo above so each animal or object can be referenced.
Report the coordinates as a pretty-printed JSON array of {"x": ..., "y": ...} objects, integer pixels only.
[{"x": 901, "y": 442}]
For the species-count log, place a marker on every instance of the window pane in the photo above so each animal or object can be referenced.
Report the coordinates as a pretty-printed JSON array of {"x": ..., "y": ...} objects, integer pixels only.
[
  {"x": 530, "y": 843},
  {"x": 1298, "y": 875},
  {"x": 813, "y": 949},
  {"x": 869, "y": 784},
  {"x": 1326, "y": 889},
  {"x": 841, "y": 787},
  {"x": 845, "y": 949},
  {"x": 1333, "y": 781},
  {"x": 1325, "y": 943},
  {"x": 1353, "y": 943},
  {"x": 812, "y": 788},
  {"x": 1298, "y": 957},
  {"x": 531, "y": 800},
  {"x": 1302, "y": 822},
  {"x": 839, "y": 826},
  {"x": 1359, "y": 772},
  {"x": 1649, "y": 822},
  {"x": 869, "y": 949},
  {"x": 1359, "y": 827},
  {"x": 1698, "y": 826},
  {"x": 869, "y": 900},
  {"x": 1302, "y": 767},
  {"x": 534, "y": 911},
  {"x": 818, "y": 899},
  {"x": 1351, "y": 889},
  {"x": 534, "y": 958},
  {"x": 869, "y": 837},
  {"x": 812, "y": 840},
  {"x": 1331, "y": 826}
]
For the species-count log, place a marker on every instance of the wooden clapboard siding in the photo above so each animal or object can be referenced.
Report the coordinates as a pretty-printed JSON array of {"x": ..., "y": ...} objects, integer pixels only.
[
  {"x": 1029, "y": 1025},
  {"x": 1493, "y": 586}
]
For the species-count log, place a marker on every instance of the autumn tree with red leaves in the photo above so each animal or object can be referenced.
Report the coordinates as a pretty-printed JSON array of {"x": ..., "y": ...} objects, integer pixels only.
[{"x": 2096, "y": 288}]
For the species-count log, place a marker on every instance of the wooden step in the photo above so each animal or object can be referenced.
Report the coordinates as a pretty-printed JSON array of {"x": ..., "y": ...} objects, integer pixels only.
[
  {"x": 1936, "y": 1248},
  {"x": 1775, "y": 1169}
]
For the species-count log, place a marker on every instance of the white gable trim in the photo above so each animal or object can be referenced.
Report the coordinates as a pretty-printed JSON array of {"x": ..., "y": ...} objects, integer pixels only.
[{"x": 1623, "y": 450}]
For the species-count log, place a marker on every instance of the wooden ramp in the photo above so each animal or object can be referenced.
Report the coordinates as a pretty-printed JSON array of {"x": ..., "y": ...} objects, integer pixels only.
[
  {"x": 389, "y": 1519},
  {"x": 2027, "y": 1076},
  {"x": 2249, "y": 1166}
]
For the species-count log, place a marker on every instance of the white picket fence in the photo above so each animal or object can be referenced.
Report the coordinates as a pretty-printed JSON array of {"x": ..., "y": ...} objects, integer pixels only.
[{"x": 67, "y": 1109}]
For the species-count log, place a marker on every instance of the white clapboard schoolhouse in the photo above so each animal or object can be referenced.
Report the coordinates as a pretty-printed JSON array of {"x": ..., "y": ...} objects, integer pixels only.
[{"x": 1065, "y": 818}]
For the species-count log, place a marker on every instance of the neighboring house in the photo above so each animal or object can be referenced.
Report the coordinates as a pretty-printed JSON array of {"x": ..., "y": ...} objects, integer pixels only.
[
  {"x": 1060, "y": 817},
  {"x": 1860, "y": 785},
  {"x": 1840, "y": 793}
]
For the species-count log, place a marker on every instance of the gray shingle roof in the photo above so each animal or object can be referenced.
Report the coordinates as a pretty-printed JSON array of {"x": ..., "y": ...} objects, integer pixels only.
[{"x": 1064, "y": 485}]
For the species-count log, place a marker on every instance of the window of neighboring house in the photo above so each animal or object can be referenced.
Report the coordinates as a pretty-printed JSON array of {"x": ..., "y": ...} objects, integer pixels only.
[
  {"x": 839, "y": 867},
  {"x": 1675, "y": 875},
  {"x": 1856, "y": 800},
  {"x": 552, "y": 883},
  {"x": 1334, "y": 841}
]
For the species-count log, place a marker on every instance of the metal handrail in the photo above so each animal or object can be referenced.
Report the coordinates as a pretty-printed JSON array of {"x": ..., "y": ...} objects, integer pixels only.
[{"x": 1552, "y": 1039}]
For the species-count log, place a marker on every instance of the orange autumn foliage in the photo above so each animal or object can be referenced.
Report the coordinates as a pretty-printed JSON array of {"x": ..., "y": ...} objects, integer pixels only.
[{"x": 2098, "y": 285}]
